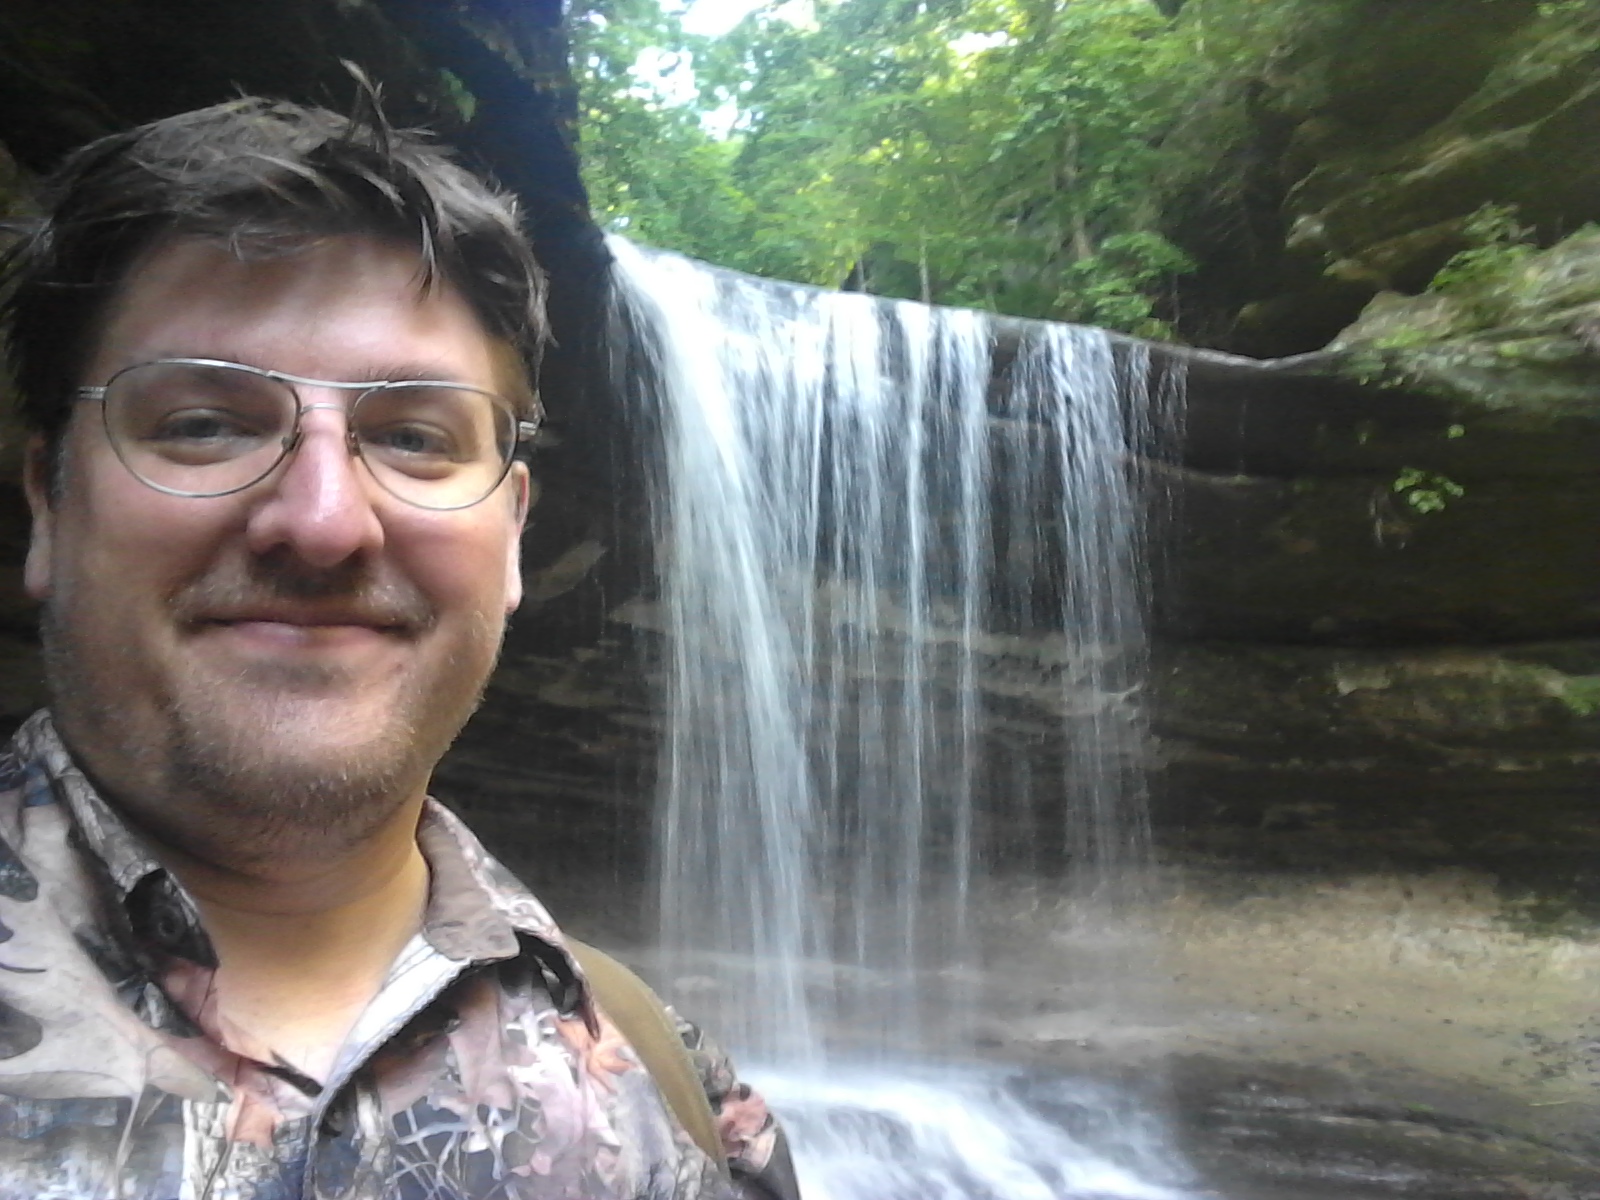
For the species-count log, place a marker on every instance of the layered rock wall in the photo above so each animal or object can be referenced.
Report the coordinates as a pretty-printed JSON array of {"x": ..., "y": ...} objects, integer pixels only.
[{"x": 1352, "y": 158}]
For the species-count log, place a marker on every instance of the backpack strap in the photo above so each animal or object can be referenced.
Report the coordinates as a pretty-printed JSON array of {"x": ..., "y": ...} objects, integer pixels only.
[{"x": 643, "y": 1019}]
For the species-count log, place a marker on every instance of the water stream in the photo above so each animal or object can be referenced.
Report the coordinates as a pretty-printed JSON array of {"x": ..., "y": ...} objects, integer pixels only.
[{"x": 898, "y": 576}]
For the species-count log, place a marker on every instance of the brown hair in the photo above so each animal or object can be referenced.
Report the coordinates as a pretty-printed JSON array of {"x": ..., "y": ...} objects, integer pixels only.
[{"x": 265, "y": 177}]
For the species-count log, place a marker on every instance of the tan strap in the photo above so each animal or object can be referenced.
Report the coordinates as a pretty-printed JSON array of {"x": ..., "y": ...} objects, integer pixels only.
[{"x": 642, "y": 1017}]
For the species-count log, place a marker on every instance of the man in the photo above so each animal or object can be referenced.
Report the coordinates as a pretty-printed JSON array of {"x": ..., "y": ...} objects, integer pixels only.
[{"x": 276, "y": 368}]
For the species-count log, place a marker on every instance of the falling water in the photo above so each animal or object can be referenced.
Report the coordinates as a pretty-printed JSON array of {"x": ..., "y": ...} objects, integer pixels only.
[{"x": 877, "y": 549}]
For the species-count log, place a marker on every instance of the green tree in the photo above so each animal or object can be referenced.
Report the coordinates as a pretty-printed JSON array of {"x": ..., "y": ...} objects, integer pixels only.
[
  {"x": 1000, "y": 154},
  {"x": 652, "y": 170}
]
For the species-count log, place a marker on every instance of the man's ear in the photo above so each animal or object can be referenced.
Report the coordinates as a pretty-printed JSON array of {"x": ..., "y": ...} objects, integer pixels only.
[
  {"x": 525, "y": 492},
  {"x": 36, "y": 482}
]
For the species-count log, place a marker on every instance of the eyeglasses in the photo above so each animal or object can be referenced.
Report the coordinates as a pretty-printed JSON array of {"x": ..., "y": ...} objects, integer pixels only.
[{"x": 199, "y": 427}]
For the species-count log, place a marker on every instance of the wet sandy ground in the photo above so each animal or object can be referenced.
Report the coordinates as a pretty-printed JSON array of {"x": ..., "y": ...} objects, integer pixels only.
[
  {"x": 1429, "y": 975},
  {"x": 1371, "y": 1036}
]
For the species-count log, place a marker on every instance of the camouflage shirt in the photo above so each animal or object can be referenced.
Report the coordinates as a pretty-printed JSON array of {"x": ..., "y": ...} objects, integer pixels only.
[{"x": 482, "y": 1070}]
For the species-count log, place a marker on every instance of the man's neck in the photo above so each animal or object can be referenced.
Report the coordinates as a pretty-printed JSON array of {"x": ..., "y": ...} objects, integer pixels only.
[{"x": 305, "y": 943}]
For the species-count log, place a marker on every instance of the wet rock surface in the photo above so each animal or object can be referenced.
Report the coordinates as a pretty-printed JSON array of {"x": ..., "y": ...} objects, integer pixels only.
[
  {"x": 1429, "y": 477},
  {"x": 1278, "y": 1131},
  {"x": 1349, "y": 559}
]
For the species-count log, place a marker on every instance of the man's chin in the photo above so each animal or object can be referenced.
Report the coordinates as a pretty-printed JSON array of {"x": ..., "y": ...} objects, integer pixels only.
[
  {"x": 296, "y": 721},
  {"x": 306, "y": 779},
  {"x": 308, "y": 732}
]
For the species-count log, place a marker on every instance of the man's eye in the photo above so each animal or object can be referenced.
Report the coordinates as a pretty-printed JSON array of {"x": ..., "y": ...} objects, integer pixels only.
[
  {"x": 411, "y": 439},
  {"x": 204, "y": 425}
]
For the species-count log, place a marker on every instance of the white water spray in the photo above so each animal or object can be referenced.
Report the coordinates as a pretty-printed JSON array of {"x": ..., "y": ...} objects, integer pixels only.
[{"x": 874, "y": 547}]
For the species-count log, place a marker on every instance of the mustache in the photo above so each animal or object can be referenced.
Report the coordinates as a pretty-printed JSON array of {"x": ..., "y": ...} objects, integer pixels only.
[{"x": 351, "y": 592}]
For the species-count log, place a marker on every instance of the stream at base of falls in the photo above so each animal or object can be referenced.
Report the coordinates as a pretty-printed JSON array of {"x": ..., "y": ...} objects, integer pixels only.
[
  {"x": 916, "y": 1132},
  {"x": 1190, "y": 1128}
]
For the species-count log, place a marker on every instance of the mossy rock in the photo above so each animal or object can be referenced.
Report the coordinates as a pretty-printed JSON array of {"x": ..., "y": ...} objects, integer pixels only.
[{"x": 1516, "y": 339}]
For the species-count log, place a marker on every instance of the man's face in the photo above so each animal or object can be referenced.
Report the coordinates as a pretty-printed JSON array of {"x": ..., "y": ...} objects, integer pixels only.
[{"x": 282, "y": 666}]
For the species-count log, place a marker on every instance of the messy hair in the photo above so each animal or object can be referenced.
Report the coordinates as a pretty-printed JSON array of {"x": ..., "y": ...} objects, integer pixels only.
[{"x": 265, "y": 178}]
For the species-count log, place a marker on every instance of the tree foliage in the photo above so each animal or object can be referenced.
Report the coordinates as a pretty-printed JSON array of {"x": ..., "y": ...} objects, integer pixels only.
[
  {"x": 1004, "y": 154},
  {"x": 651, "y": 169},
  {"x": 995, "y": 154}
]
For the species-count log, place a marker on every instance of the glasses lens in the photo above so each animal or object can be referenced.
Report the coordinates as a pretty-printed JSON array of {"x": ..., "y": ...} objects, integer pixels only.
[
  {"x": 198, "y": 430},
  {"x": 435, "y": 446}
]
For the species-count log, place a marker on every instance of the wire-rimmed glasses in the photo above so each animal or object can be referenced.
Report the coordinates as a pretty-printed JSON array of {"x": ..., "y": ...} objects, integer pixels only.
[{"x": 203, "y": 427}]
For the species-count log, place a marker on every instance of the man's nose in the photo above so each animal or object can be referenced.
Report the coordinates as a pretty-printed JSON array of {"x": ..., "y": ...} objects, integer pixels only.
[{"x": 320, "y": 502}]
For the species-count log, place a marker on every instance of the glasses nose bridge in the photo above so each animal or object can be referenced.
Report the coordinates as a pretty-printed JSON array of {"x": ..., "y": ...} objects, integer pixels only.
[{"x": 297, "y": 389}]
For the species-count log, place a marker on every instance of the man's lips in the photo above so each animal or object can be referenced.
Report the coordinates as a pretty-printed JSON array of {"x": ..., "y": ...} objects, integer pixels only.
[
  {"x": 295, "y": 631},
  {"x": 320, "y": 621}
]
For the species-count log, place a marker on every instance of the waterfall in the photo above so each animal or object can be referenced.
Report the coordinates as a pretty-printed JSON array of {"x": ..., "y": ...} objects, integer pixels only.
[{"x": 897, "y": 575}]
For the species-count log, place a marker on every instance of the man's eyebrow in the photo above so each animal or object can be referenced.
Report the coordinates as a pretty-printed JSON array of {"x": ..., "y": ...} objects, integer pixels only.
[{"x": 396, "y": 372}]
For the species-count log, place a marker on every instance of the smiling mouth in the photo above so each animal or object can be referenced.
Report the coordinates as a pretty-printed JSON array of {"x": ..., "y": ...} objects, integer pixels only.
[{"x": 303, "y": 631}]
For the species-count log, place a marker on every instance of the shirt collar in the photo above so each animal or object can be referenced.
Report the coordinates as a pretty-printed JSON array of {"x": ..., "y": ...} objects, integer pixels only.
[
  {"x": 103, "y": 833},
  {"x": 476, "y": 908}
]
